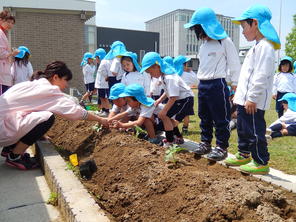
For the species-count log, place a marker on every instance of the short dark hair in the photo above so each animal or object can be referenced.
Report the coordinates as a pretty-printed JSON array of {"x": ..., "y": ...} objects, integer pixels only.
[
  {"x": 199, "y": 31},
  {"x": 5, "y": 15},
  {"x": 249, "y": 21},
  {"x": 55, "y": 68},
  {"x": 284, "y": 62}
]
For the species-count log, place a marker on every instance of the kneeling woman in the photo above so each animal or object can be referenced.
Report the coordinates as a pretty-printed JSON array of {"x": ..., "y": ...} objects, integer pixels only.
[{"x": 27, "y": 112}]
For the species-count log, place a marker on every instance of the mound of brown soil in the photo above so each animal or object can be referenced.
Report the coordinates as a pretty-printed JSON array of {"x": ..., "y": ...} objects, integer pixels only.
[{"x": 133, "y": 182}]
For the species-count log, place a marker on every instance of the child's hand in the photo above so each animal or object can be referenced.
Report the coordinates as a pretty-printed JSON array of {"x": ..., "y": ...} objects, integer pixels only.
[
  {"x": 104, "y": 122},
  {"x": 250, "y": 107},
  {"x": 106, "y": 79},
  {"x": 274, "y": 97},
  {"x": 116, "y": 124},
  {"x": 157, "y": 102}
]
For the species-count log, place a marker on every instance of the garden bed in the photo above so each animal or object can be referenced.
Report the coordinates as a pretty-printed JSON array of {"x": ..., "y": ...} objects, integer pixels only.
[{"x": 134, "y": 183}]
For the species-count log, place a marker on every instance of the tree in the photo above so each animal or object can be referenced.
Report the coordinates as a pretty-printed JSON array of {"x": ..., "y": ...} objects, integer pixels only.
[{"x": 291, "y": 41}]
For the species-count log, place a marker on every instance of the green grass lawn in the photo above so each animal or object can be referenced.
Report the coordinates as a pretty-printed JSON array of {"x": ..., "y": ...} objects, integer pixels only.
[{"x": 282, "y": 150}]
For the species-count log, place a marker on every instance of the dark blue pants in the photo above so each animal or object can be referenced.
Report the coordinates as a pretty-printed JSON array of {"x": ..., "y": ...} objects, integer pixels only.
[
  {"x": 214, "y": 111},
  {"x": 112, "y": 80},
  {"x": 251, "y": 134}
]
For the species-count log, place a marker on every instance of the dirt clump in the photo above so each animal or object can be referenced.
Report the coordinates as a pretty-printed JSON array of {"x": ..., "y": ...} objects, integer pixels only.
[{"x": 134, "y": 183}]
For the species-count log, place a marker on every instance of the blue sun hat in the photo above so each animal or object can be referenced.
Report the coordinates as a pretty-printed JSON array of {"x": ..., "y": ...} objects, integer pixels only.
[
  {"x": 179, "y": 63},
  {"x": 86, "y": 56},
  {"x": 117, "y": 48},
  {"x": 134, "y": 57},
  {"x": 294, "y": 67},
  {"x": 169, "y": 60},
  {"x": 152, "y": 58},
  {"x": 23, "y": 50},
  {"x": 138, "y": 92},
  {"x": 288, "y": 58},
  {"x": 206, "y": 17},
  {"x": 291, "y": 99},
  {"x": 116, "y": 90},
  {"x": 263, "y": 15},
  {"x": 101, "y": 53}
]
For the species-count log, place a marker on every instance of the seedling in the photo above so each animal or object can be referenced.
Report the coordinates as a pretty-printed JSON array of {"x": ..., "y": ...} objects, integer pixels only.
[
  {"x": 53, "y": 199},
  {"x": 140, "y": 133},
  {"x": 170, "y": 153},
  {"x": 97, "y": 128}
]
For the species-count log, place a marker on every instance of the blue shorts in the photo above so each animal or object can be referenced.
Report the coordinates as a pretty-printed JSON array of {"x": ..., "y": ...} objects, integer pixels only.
[
  {"x": 103, "y": 93},
  {"x": 182, "y": 108},
  {"x": 90, "y": 87},
  {"x": 3, "y": 89}
]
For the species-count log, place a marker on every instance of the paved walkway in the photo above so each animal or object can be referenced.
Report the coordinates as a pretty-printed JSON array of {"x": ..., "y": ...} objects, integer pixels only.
[{"x": 23, "y": 196}]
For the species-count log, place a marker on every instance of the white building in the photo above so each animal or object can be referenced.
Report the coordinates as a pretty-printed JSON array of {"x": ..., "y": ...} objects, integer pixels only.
[{"x": 176, "y": 40}]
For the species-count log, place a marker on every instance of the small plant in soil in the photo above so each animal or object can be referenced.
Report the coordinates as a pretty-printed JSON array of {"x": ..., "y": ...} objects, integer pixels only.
[
  {"x": 97, "y": 128},
  {"x": 75, "y": 169},
  {"x": 170, "y": 153},
  {"x": 140, "y": 133},
  {"x": 53, "y": 199}
]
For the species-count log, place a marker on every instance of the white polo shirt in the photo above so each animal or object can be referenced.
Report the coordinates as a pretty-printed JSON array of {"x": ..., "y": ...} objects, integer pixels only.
[
  {"x": 116, "y": 67},
  {"x": 284, "y": 82},
  {"x": 174, "y": 86},
  {"x": 156, "y": 86},
  {"x": 102, "y": 73},
  {"x": 216, "y": 59},
  {"x": 142, "y": 79},
  {"x": 256, "y": 77},
  {"x": 88, "y": 73},
  {"x": 190, "y": 78}
]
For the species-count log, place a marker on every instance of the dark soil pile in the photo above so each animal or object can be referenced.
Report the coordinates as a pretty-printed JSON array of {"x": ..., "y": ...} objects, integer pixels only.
[{"x": 133, "y": 182}]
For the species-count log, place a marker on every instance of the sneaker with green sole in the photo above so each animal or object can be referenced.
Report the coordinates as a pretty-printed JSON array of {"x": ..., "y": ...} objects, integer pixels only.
[
  {"x": 254, "y": 168},
  {"x": 237, "y": 160}
]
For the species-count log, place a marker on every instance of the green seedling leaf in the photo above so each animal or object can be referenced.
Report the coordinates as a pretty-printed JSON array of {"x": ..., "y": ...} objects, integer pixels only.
[
  {"x": 97, "y": 128},
  {"x": 170, "y": 153},
  {"x": 53, "y": 199},
  {"x": 139, "y": 130}
]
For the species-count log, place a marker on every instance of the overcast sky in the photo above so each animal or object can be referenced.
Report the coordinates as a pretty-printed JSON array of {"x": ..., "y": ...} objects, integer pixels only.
[{"x": 132, "y": 14}]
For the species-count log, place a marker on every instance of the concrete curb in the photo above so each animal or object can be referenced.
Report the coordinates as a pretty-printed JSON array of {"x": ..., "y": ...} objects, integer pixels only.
[
  {"x": 274, "y": 177},
  {"x": 75, "y": 203}
]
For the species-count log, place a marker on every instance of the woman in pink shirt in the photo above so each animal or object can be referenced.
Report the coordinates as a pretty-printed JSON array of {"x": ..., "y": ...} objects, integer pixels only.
[
  {"x": 27, "y": 112},
  {"x": 6, "y": 23}
]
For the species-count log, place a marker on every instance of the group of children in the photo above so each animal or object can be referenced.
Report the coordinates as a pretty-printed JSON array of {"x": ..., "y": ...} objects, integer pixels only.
[{"x": 158, "y": 95}]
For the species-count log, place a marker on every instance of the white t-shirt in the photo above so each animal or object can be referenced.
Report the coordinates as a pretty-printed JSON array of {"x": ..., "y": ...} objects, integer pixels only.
[
  {"x": 103, "y": 72},
  {"x": 148, "y": 111},
  {"x": 289, "y": 117},
  {"x": 256, "y": 77},
  {"x": 21, "y": 72},
  {"x": 284, "y": 82},
  {"x": 174, "y": 86},
  {"x": 190, "y": 78},
  {"x": 156, "y": 86},
  {"x": 116, "y": 67},
  {"x": 216, "y": 58},
  {"x": 142, "y": 79},
  {"x": 88, "y": 73},
  {"x": 126, "y": 108}
]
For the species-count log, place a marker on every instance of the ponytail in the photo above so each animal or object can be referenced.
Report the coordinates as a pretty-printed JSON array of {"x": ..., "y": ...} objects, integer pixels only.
[{"x": 55, "y": 68}]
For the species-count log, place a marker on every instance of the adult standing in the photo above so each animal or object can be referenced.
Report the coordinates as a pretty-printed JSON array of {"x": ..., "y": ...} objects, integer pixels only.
[{"x": 6, "y": 23}]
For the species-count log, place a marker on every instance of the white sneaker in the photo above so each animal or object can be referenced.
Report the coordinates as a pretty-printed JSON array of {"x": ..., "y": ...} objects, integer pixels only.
[
  {"x": 268, "y": 138},
  {"x": 268, "y": 131}
]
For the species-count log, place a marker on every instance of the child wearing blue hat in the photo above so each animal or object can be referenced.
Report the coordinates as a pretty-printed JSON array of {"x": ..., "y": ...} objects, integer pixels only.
[
  {"x": 100, "y": 83},
  {"x": 88, "y": 70},
  {"x": 21, "y": 68},
  {"x": 294, "y": 67},
  {"x": 254, "y": 90},
  {"x": 169, "y": 60},
  {"x": 117, "y": 48},
  {"x": 183, "y": 68},
  {"x": 286, "y": 124},
  {"x": 132, "y": 73},
  {"x": 284, "y": 82},
  {"x": 135, "y": 96},
  {"x": 218, "y": 56},
  {"x": 180, "y": 96},
  {"x": 120, "y": 110}
]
